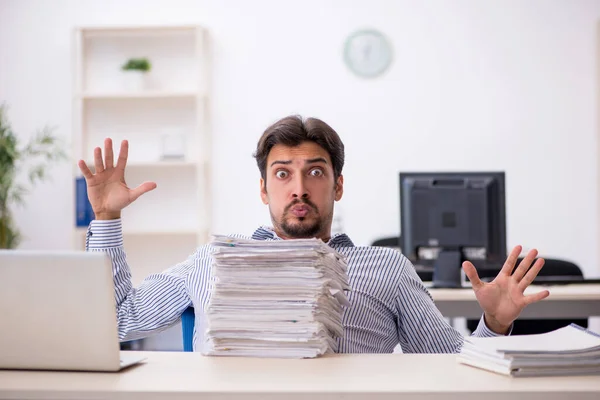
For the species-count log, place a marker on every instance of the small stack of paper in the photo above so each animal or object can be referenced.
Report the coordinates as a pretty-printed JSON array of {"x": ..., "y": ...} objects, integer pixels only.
[
  {"x": 571, "y": 350},
  {"x": 279, "y": 298}
]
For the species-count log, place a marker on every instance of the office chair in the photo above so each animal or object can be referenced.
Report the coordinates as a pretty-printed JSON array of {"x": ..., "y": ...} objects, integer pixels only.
[
  {"x": 387, "y": 242},
  {"x": 188, "y": 319},
  {"x": 554, "y": 268}
]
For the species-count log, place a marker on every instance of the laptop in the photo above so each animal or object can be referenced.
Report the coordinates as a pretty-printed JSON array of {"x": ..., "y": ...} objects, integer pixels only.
[{"x": 58, "y": 312}]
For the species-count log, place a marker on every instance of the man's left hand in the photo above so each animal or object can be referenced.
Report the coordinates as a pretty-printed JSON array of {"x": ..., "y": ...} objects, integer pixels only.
[{"x": 502, "y": 299}]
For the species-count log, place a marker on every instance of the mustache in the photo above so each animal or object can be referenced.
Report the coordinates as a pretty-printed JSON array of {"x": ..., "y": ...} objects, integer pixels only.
[{"x": 300, "y": 201}]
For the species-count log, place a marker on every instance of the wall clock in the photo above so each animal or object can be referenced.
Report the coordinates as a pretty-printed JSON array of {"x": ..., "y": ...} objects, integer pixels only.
[{"x": 367, "y": 53}]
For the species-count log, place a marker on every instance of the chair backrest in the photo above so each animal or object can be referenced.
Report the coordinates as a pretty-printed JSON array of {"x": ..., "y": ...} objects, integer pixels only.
[
  {"x": 188, "y": 319},
  {"x": 387, "y": 242},
  {"x": 554, "y": 267}
]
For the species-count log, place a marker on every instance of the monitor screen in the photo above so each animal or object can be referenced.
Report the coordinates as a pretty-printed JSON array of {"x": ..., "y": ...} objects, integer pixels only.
[{"x": 461, "y": 212}]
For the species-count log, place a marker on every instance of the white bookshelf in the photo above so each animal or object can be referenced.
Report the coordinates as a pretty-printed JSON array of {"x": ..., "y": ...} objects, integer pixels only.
[{"x": 165, "y": 225}]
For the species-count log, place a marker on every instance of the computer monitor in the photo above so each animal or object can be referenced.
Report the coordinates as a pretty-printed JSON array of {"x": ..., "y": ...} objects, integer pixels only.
[{"x": 450, "y": 217}]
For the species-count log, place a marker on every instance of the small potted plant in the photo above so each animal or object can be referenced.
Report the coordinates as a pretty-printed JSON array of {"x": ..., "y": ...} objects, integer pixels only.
[{"x": 135, "y": 72}]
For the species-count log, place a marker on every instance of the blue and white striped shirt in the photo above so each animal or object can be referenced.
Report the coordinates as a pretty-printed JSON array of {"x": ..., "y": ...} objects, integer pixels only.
[{"x": 390, "y": 304}]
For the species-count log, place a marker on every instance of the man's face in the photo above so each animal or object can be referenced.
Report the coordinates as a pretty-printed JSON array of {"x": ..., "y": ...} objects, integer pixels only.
[{"x": 300, "y": 190}]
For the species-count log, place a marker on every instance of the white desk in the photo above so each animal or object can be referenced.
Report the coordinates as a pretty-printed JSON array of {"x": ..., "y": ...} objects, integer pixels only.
[
  {"x": 565, "y": 301},
  {"x": 386, "y": 376}
]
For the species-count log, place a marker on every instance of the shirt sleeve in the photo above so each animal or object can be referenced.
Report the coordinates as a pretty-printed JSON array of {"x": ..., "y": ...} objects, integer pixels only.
[
  {"x": 160, "y": 299},
  {"x": 482, "y": 330},
  {"x": 422, "y": 328}
]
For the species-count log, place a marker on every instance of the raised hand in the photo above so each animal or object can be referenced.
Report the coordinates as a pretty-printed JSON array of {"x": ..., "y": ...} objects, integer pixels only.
[
  {"x": 503, "y": 300},
  {"x": 107, "y": 191}
]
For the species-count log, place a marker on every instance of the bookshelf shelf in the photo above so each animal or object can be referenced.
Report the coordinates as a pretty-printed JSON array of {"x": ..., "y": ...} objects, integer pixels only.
[
  {"x": 134, "y": 95},
  {"x": 154, "y": 164}
]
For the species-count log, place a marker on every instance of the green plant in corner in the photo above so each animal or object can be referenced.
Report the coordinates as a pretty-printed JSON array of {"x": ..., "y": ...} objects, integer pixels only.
[
  {"x": 36, "y": 156},
  {"x": 137, "y": 64}
]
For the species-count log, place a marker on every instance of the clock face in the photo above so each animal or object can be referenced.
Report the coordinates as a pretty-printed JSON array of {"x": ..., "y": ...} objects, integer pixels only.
[{"x": 367, "y": 53}]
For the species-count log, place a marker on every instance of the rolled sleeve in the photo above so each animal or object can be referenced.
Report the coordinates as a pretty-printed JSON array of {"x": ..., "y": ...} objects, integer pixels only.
[
  {"x": 104, "y": 234},
  {"x": 482, "y": 330}
]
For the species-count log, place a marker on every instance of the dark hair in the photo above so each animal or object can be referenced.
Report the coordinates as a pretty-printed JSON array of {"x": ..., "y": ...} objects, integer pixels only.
[{"x": 293, "y": 131}]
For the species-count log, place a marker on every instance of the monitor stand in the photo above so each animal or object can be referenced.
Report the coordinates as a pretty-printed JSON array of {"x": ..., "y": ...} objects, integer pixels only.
[{"x": 447, "y": 269}]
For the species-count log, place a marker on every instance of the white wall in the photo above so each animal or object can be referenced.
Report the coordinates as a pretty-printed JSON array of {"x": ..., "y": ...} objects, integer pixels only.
[{"x": 475, "y": 85}]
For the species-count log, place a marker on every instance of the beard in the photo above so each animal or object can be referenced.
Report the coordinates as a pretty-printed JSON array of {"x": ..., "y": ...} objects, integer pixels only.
[{"x": 303, "y": 227}]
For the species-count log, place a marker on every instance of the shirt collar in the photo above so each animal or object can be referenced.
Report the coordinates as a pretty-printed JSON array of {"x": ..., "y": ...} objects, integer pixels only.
[{"x": 337, "y": 240}]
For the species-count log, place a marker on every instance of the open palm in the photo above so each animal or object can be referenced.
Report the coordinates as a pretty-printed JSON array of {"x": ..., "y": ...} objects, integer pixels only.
[
  {"x": 503, "y": 299},
  {"x": 107, "y": 190}
]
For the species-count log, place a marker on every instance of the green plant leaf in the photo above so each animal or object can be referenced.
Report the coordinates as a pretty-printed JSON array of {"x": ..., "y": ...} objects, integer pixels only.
[
  {"x": 40, "y": 152},
  {"x": 17, "y": 194}
]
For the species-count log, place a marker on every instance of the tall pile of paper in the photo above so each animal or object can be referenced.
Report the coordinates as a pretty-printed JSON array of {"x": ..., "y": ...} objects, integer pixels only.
[
  {"x": 571, "y": 350},
  {"x": 281, "y": 298}
]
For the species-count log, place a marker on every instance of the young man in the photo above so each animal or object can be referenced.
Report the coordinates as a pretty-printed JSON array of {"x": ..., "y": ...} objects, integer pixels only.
[{"x": 300, "y": 163}]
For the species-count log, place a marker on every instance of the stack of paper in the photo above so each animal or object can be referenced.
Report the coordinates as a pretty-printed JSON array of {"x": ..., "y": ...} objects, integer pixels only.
[
  {"x": 571, "y": 350},
  {"x": 279, "y": 298}
]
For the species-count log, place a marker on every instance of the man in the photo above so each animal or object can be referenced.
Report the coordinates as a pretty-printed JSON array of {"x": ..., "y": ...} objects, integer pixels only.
[{"x": 300, "y": 163}]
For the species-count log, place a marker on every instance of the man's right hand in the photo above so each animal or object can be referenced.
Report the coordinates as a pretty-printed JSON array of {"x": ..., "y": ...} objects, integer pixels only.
[{"x": 107, "y": 191}]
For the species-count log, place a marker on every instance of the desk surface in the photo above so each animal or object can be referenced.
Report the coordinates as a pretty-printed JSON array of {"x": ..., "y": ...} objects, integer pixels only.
[
  {"x": 565, "y": 301},
  {"x": 557, "y": 292},
  {"x": 382, "y": 376}
]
